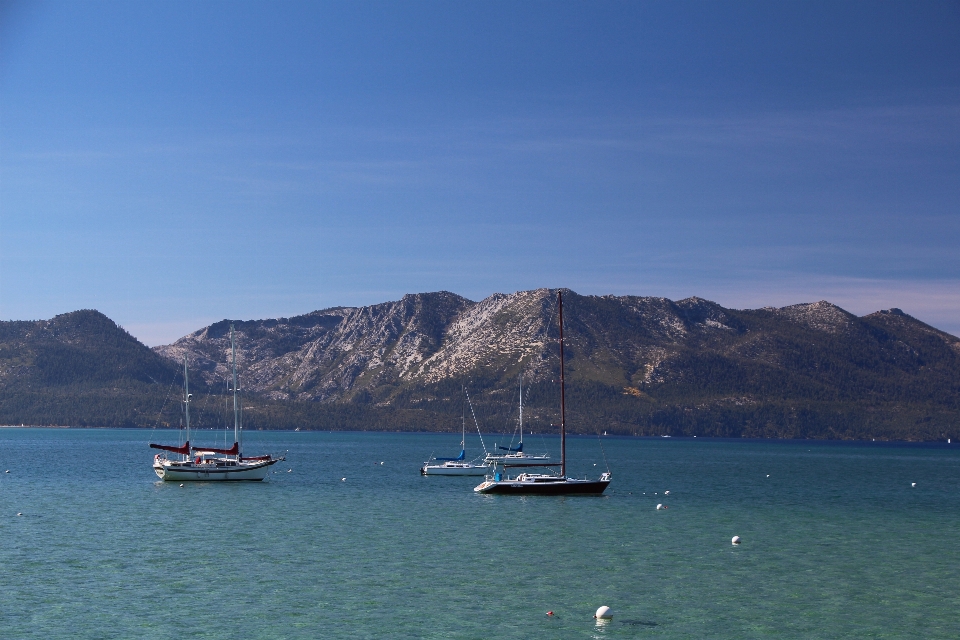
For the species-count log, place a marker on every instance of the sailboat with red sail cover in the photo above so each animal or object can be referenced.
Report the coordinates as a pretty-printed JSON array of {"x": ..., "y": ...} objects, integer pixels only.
[{"x": 209, "y": 463}]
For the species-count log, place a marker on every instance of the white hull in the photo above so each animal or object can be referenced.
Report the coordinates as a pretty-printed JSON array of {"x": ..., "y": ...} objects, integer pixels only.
[
  {"x": 455, "y": 469},
  {"x": 209, "y": 472}
]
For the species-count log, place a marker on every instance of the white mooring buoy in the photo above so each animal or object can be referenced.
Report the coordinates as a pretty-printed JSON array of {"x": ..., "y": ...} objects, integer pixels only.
[
  {"x": 604, "y": 613},
  {"x": 913, "y": 484},
  {"x": 181, "y": 485},
  {"x": 659, "y": 506},
  {"x": 735, "y": 540},
  {"x": 666, "y": 493},
  {"x": 19, "y": 514},
  {"x": 343, "y": 479}
]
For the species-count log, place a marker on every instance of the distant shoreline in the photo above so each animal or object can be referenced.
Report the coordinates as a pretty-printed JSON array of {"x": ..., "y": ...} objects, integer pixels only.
[{"x": 912, "y": 443}]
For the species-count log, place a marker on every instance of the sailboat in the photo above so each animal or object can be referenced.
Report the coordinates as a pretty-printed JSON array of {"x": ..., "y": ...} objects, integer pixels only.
[
  {"x": 541, "y": 483},
  {"x": 516, "y": 456},
  {"x": 208, "y": 463},
  {"x": 457, "y": 466}
]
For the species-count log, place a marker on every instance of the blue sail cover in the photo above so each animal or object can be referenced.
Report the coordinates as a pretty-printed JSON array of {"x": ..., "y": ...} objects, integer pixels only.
[
  {"x": 463, "y": 455},
  {"x": 518, "y": 449}
]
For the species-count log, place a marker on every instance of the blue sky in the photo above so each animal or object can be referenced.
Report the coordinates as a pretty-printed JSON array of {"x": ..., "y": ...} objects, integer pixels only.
[{"x": 175, "y": 163}]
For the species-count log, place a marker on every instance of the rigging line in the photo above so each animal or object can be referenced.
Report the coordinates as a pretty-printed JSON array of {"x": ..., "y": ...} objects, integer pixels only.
[
  {"x": 226, "y": 401},
  {"x": 201, "y": 409},
  {"x": 163, "y": 406},
  {"x": 540, "y": 335},
  {"x": 516, "y": 422},
  {"x": 475, "y": 421},
  {"x": 600, "y": 440}
]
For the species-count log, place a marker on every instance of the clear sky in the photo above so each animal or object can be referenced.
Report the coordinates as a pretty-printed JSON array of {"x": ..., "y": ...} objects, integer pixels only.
[{"x": 176, "y": 163}]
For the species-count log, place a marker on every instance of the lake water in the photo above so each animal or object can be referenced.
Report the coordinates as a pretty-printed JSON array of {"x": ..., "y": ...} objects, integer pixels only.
[{"x": 836, "y": 542}]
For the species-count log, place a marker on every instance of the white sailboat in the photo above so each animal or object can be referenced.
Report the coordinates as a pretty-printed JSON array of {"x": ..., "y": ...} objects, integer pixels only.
[
  {"x": 458, "y": 466},
  {"x": 211, "y": 464},
  {"x": 541, "y": 483},
  {"x": 516, "y": 456}
]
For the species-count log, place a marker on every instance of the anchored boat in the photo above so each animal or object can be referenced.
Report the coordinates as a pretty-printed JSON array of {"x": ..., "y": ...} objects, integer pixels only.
[
  {"x": 542, "y": 483},
  {"x": 516, "y": 456},
  {"x": 208, "y": 463},
  {"x": 458, "y": 466}
]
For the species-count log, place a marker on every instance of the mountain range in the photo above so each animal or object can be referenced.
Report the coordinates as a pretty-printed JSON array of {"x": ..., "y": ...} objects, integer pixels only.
[{"x": 634, "y": 365}]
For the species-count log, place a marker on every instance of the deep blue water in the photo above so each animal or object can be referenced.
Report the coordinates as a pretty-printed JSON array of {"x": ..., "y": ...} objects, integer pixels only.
[{"x": 836, "y": 542}]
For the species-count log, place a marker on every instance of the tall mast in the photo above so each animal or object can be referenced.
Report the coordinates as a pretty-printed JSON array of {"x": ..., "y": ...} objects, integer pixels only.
[
  {"x": 236, "y": 418},
  {"x": 521, "y": 409},
  {"x": 186, "y": 400},
  {"x": 563, "y": 406}
]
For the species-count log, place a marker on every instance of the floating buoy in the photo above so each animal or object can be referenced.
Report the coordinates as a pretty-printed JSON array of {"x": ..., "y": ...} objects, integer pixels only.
[
  {"x": 549, "y": 613},
  {"x": 913, "y": 484},
  {"x": 666, "y": 493},
  {"x": 7, "y": 471},
  {"x": 19, "y": 514},
  {"x": 604, "y": 613},
  {"x": 735, "y": 540},
  {"x": 381, "y": 463},
  {"x": 768, "y": 475},
  {"x": 181, "y": 484},
  {"x": 289, "y": 470},
  {"x": 343, "y": 479},
  {"x": 659, "y": 506}
]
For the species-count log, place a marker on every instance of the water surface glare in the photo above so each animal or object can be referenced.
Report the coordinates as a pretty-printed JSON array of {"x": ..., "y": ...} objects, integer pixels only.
[{"x": 836, "y": 542}]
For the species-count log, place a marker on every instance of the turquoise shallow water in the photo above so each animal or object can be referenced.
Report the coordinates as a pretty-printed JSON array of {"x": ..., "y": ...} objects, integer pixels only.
[{"x": 836, "y": 543}]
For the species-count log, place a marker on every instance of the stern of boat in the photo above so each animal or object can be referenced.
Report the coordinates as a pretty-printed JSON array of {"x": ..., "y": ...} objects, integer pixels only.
[{"x": 485, "y": 486}]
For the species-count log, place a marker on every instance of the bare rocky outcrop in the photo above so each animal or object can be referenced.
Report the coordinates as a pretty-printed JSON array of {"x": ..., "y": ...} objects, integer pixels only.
[{"x": 821, "y": 316}]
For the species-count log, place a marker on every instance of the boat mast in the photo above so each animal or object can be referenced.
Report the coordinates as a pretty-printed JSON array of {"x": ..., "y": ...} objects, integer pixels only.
[
  {"x": 521, "y": 411},
  {"x": 563, "y": 406},
  {"x": 236, "y": 423},
  {"x": 186, "y": 400}
]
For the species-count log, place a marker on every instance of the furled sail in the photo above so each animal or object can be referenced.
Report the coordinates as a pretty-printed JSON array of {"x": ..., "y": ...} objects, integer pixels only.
[
  {"x": 232, "y": 451},
  {"x": 459, "y": 458},
  {"x": 184, "y": 450},
  {"x": 518, "y": 448}
]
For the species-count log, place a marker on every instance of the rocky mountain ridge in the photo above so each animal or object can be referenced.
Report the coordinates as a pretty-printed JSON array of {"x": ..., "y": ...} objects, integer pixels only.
[
  {"x": 635, "y": 365},
  {"x": 425, "y": 338},
  {"x": 677, "y": 357}
]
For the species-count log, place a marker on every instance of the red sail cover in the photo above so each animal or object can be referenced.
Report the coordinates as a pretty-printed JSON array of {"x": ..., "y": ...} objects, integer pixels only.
[
  {"x": 232, "y": 451},
  {"x": 184, "y": 450}
]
